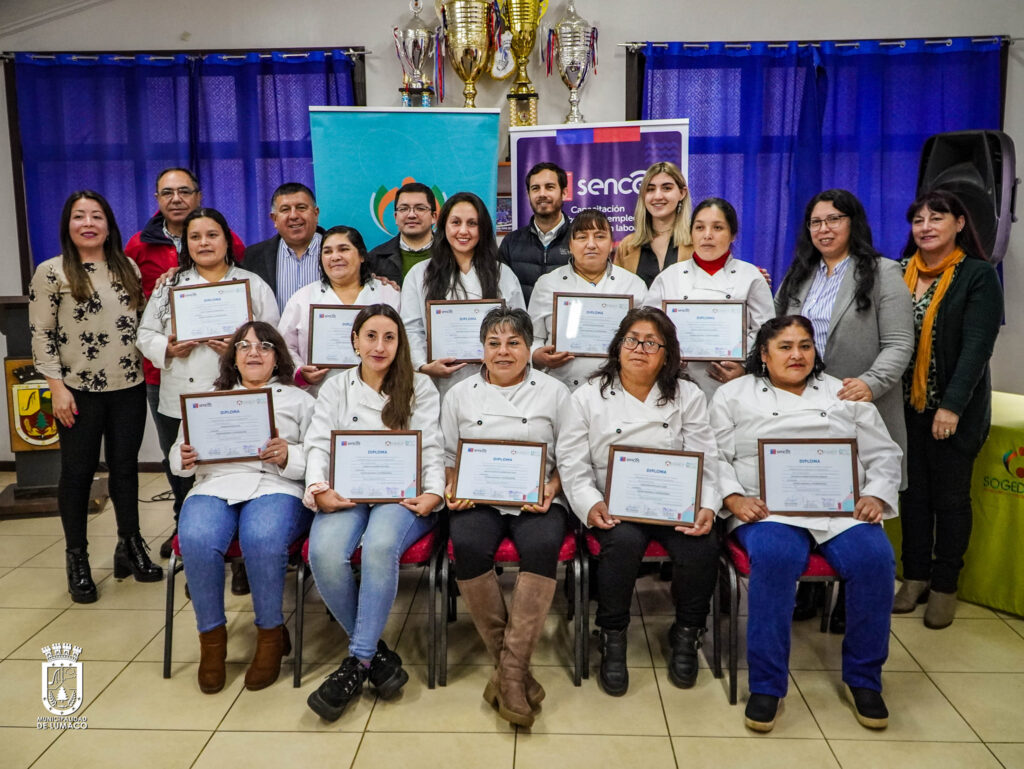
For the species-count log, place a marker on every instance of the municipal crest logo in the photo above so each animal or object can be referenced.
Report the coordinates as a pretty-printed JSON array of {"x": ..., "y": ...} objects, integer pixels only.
[
  {"x": 62, "y": 679},
  {"x": 384, "y": 197}
]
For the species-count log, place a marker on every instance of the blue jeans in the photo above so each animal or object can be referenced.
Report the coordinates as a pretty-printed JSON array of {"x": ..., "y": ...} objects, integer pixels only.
[
  {"x": 385, "y": 532},
  {"x": 863, "y": 558},
  {"x": 266, "y": 526}
]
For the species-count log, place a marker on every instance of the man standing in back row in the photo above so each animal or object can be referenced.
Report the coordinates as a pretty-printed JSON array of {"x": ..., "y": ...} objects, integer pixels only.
[{"x": 415, "y": 215}]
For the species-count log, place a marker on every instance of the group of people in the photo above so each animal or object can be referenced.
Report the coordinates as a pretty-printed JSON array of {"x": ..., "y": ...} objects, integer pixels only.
[{"x": 853, "y": 346}]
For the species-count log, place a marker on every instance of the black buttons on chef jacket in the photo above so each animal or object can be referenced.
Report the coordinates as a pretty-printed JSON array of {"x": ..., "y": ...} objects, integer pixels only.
[
  {"x": 479, "y": 421},
  {"x": 524, "y": 420}
]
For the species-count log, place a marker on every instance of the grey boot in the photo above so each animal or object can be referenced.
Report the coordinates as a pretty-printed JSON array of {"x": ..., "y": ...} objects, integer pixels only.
[
  {"x": 911, "y": 593},
  {"x": 940, "y": 611}
]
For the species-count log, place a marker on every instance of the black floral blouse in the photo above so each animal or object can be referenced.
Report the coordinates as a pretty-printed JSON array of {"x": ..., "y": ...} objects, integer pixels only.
[{"x": 933, "y": 397}]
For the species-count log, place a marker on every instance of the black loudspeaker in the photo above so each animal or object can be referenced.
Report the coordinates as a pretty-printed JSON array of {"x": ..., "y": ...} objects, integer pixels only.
[{"x": 978, "y": 167}]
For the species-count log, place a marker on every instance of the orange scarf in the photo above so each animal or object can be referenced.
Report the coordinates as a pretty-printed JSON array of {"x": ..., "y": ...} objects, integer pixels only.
[{"x": 916, "y": 268}]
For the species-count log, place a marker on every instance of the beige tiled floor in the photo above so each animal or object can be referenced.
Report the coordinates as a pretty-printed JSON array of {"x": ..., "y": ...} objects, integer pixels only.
[{"x": 956, "y": 695}]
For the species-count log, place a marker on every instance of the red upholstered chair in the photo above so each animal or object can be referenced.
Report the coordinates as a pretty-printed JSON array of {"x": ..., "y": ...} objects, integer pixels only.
[
  {"x": 507, "y": 555},
  {"x": 423, "y": 552},
  {"x": 233, "y": 553}
]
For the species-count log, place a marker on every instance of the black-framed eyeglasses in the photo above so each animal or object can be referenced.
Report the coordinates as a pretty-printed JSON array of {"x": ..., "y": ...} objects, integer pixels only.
[
  {"x": 832, "y": 220},
  {"x": 649, "y": 346},
  {"x": 263, "y": 347},
  {"x": 182, "y": 192},
  {"x": 420, "y": 209}
]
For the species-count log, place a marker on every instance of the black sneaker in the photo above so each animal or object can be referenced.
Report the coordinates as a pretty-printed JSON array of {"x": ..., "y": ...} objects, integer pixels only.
[
  {"x": 761, "y": 712},
  {"x": 869, "y": 707},
  {"x": 386, "y": 672},
  {"x": 341, "y": 686}
]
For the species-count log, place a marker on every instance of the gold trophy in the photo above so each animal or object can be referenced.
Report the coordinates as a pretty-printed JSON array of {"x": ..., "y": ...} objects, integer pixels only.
[
  {"x": 522, "y": 18},
  {"x": 468, "y": 26}
]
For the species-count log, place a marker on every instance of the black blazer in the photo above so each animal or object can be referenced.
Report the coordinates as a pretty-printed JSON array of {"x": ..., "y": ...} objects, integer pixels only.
[{"x": 261, "y": 258}]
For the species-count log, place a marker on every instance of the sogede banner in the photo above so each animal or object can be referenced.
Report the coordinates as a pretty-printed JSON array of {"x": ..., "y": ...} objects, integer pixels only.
[
  {"x": 362, "y": 155},
  {"x": 605, "y": 163}
]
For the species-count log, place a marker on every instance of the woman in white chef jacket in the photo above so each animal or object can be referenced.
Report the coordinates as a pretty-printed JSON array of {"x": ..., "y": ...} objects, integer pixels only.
[
  {"x": 345, "y": 278},
  {"x": 590, "y": 271},
  {"x": 715, "y": 274},
  {"x": 787, "y": 396},
  {"x": 259, "y": 502},
  {"x": 463, "y": 264},
  {"x": 637, "y": 398},
  {"x": 506, "y": 399},
  {"x": 382, "y": 393}
]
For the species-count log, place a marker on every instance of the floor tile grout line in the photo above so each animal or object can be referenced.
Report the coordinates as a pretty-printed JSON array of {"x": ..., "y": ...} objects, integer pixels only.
[{"x": 657, "y": 681}]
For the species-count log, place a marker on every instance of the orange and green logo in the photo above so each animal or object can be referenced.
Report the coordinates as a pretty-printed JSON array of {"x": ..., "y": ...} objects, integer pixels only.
[
  {"x": 1013, "y": 461},
  {"x": 383, "y": 200}
]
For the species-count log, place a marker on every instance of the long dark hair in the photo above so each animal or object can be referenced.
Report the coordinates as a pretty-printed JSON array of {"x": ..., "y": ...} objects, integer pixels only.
[
  {"x": 185, "y": 261},
  {"x": 442, "y": 273},
  {"x": 398, "y": 383},
  {"x": 118, "y": 264},
  {"x": 670, "y": 373},
  {"x": 945, "y": 202},
  {"x": 229, "y": 376},
  {"x": 862, "y": 250},
  {"x": 356, "y": 239},
  {"x": 770, "y": 329}
]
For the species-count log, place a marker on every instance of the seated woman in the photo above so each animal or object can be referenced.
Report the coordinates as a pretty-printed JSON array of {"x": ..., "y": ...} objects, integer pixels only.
[
  {"x": 260, "y": 502},
  {"x": 507, "y": 400},
  {"x": 784, "y": 396},
  {"x": 382, "y": 393},
  {"x": 637, "y": 398}
]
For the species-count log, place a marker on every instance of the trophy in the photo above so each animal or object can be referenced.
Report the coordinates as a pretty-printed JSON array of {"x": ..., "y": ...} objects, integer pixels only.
[
  {"x": 468, "y": 25},
  {"x": 521, "y": 18},
  {"x": 415, "y": 46},
  {"x": 575, "y": 49}
]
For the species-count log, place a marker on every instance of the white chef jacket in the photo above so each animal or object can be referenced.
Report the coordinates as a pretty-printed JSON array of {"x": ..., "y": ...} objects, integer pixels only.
[
  {"x": 348, "y": 403},
  {"x": 735, "y": 281},
  {"x": 565, "y": 279},
  {"x": 618, "y": 418},
  {"x": 414, "y": 312},
  {"x": 194, "y": 374},
  {"x": 241, "y": 481},
  {"x": 750, "y": 408},
  {"x": 534, "y": 410}
]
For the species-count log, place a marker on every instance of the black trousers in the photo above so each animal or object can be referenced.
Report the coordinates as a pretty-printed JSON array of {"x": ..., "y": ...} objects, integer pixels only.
[
  {"x": 166, "y": 435},
  {"x": 118, "y": 418},
  {"x": 476, "y": 534},
  {"x": 694, "y": 571},
  {"x": 935, "y": 510}
]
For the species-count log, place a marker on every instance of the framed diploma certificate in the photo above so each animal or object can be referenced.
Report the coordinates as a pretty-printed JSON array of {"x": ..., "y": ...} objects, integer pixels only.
[
  {"x": 500, "y": 472},
  {"x": 654, "y": 485},
  {"x": 709, "y": 330},
  {"x": 228, "y": 425},
  {"x": 209, "y": 310},
  {"x": 809, "y": 477},
  {"x": 453, "y": 329},
  {"x": 381, "y": 466},
  {"x": 330, "y": 335},
  {"x": 584, "y": 324}
]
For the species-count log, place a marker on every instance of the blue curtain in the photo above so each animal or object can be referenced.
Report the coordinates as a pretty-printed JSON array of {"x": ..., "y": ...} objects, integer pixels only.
[
  {"x": 772, "y": 125},
  {"x": 111, "y": 123}
]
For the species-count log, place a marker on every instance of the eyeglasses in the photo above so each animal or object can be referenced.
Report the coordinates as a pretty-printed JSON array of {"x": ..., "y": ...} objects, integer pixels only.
[
  {"x": 649, "y": 346},
  {"x": 403, "y": 210},
  {"x": 262, "y": 348},
  {"x": 832, "y": 221},
  {"x": 167, "y": 193}
]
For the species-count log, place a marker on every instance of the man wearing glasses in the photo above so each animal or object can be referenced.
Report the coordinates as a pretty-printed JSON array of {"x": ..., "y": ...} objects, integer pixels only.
[{"x": 415, "y": 215}]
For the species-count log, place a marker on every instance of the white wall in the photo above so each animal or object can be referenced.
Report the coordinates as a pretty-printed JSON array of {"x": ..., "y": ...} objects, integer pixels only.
[{"x": 199, "y": 24}]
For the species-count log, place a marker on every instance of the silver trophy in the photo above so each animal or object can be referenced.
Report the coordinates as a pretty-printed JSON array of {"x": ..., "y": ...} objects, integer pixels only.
[
  {"x": 415, "y": 45},
  {"x": 575, "y": 50}
]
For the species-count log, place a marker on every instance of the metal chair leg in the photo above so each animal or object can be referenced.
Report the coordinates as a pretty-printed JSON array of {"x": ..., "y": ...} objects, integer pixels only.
[
  {"x": 169, "y": 614},
  {"x": 576, "y": 615},
  {"x": 442, "y": 654},
  {"x": 300, "y": 619},
  {"x": 584, "y": 609},
  {"x": 734, "y": 632},
  {"x": 432, "y": 619},
  {"x": 826, "y": 611}
]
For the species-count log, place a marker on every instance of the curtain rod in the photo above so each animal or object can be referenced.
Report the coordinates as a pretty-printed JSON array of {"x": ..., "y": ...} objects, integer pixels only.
[
  {"x": 7, "y": 56},
  {"x": 633, "y": 46}
]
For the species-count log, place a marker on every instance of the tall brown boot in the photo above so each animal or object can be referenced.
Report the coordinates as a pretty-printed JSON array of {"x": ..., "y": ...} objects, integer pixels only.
[
  {"x": 530, "y": 603},
  {"x": 271, "y": 646},
  {"x": 213, "y": 650},
  {"x": 487, "y": 608}
]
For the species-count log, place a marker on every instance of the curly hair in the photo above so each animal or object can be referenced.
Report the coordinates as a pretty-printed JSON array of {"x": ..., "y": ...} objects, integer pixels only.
[
  {"x": 229, "y": 377},
  {"x": 671, "y": 372},
  {"x": 770, "y": 329}
]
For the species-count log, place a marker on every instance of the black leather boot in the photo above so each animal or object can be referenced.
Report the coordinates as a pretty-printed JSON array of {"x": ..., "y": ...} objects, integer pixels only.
[
  {"x": 131, "y": 556},
  {"x": 614, "y": 676},
  {"x": 80, "y": 584},
  {"x": 685, "y": 641}
]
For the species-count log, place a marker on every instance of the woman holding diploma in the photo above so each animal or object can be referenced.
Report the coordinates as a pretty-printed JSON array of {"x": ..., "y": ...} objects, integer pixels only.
[
  {"x": 639, "y": 399},
  {"x": 787, "y": 397},
  {"x": 463, "y": 264},
  {"x": 259, "y": 501},
  {"x": 715, "y": 274},
  {"x": 589, "y": 271},
  {"x": 382, "y": 393},
  {"x": 507, "y": 400},
  {"x": 345, "y": 278}
]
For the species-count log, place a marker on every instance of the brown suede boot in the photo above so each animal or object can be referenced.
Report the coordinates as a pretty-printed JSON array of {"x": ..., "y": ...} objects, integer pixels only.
[
  {"x": 530, "y": 603},
  {"x": 213, "y": 650},
  {"x": 271, "y": 645},
  {"x": 487, "y": 608}
]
